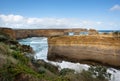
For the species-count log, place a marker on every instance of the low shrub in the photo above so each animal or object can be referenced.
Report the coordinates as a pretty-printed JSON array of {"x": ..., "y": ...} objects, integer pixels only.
[
  {"x": 65, "y": 71},
  {"x": 9, "y": 71},
  {"x": 4, "y": 49},
  {"x": 99, "y": 72},
  {"x": 18, "y": 55}
]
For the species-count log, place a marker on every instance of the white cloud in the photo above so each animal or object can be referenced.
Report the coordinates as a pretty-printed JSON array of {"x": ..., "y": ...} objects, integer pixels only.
[
  {"x": 18, "y": 21},
  {"x": 11, "y": 18},
  {"x": 99, "y": 22},
  {"x": 115, "y": 8}
]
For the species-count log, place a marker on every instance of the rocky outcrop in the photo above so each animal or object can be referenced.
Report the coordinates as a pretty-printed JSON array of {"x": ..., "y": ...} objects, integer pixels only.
[
  {"x": 8, "y": 31},
  {"x": 27, "y": 49},
  {"x": 85, "y": 49}
]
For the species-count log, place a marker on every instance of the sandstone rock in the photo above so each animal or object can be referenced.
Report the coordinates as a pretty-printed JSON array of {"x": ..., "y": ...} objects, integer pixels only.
[
  {"x": 8, "y": 31},
  {"x": 27, "y": 48},
  {"x": 85, "y": 49}
]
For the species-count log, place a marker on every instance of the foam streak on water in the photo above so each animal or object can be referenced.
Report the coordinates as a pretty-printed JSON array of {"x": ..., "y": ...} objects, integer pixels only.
[{"x": 40, "y": 46}]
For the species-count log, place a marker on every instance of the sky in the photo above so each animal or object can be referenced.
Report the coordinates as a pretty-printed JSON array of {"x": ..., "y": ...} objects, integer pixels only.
[{"x": 54, "y": 14}]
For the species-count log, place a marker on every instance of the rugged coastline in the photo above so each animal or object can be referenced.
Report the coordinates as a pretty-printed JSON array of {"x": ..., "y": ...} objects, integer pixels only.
[
  {"x": 16, "y": 66},
  {"x": 85, "y": 49}
]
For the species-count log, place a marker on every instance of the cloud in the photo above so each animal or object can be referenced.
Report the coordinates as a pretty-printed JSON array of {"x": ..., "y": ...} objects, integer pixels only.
[
  {"x": 115, "y": 8},
  {"x": 21, "y": 22},
  {"x": 18, "y": 21},
  {"x": 11, "y": 18}
]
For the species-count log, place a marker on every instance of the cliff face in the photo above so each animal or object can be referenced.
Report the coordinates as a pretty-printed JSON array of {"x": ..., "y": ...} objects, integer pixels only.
[
  {"x": 24, "y": 33},
  {"x": 85, "y": 49},
  {"x": 9, "y": 32}
]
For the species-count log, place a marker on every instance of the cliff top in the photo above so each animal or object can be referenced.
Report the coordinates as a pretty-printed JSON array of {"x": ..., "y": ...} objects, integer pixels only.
[{"x": 95, "y": 40}]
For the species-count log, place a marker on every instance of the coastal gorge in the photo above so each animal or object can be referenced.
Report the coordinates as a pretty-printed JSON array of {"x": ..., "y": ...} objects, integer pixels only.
[
  {"x": 46, "y": 54},
  {"x": 85, "y": 46}
]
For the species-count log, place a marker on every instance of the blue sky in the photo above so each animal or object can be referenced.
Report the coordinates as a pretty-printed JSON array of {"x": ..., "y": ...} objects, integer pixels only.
[{"x": 98, "y": 14}]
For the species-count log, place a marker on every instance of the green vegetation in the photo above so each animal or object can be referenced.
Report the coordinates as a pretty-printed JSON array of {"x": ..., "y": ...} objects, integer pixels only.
[
  {"x": 94, "y": 73},
  {"x": 17, "y": 55},
  {"x": 99, "y": 72},
  {"x": 15, "y": 66},
  {"x": 66, "y": 71}
]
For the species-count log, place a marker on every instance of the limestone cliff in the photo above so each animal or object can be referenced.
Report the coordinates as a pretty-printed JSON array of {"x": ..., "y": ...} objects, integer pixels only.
[
  {"x": 24, "y": 33},
  {"x": 84, "y": 49},
  {"x": 8, "y": 31}
]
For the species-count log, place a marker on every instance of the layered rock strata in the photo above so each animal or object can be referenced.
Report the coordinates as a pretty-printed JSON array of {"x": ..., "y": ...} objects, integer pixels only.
[
  {"x": 85, "y": 49},
  {"x": 24, "y": 33}
]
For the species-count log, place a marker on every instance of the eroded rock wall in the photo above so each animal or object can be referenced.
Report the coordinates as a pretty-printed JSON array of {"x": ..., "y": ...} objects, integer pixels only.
[
  {"x": 8, "y": 31},
  {"x": 85, "y": 49},
  {"x": 24, "y": 33}
]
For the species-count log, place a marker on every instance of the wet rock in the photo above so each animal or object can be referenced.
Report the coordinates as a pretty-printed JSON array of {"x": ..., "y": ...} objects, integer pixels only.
[{"x": 27, "y": 48}]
